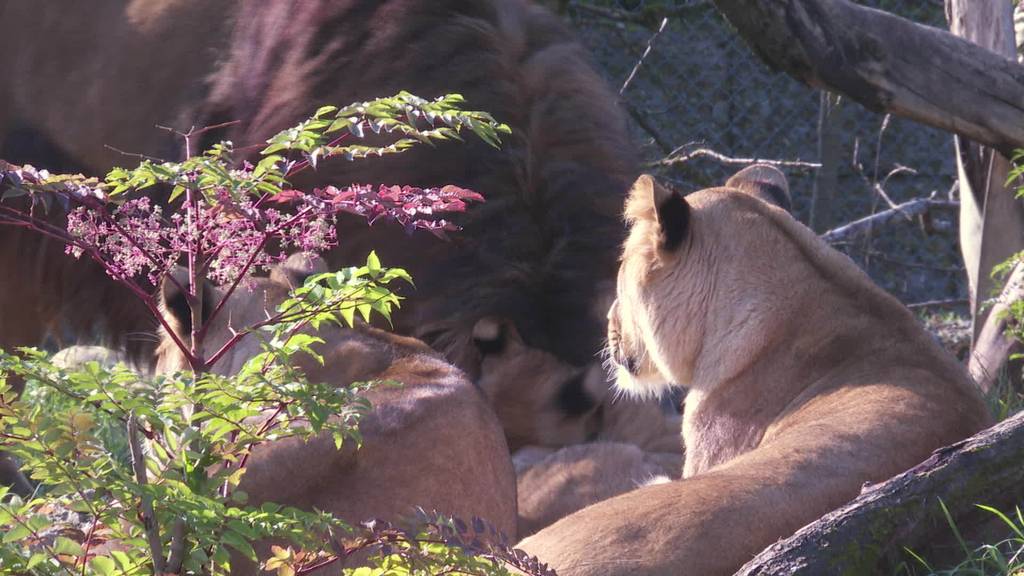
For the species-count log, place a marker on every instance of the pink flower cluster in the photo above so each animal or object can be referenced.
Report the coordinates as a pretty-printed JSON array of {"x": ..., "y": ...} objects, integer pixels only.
[
  {"x": 233, "y": 237},
  {"x": 412, "y": 207}
]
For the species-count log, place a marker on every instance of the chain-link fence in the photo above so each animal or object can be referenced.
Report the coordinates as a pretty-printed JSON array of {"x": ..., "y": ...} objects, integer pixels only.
[{"x": 700, "y": 87}]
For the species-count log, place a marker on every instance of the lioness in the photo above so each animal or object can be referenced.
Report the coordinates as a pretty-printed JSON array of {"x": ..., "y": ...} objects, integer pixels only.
[
  {"x": 433, "y": 442},
  {"x": 805, "y": 381}
]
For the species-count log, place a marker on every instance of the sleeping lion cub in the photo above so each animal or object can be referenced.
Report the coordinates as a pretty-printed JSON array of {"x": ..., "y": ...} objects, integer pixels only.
[{"x": 805, "y": 381}]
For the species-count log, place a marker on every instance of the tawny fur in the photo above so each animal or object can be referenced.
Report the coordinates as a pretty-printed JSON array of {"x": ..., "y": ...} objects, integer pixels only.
[
  {"x": 555, "y": 483},
  {"x": 432, "y": 442},
  {"x": 805, "y": 381}
]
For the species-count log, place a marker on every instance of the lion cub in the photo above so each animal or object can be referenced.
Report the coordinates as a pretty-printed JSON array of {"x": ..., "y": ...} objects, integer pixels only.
[
  {"x": 433, "y": 442},
  {"x": 805, "y": 381}
]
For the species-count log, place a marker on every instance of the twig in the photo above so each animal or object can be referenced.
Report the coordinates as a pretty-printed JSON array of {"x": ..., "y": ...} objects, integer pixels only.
[
  {"x": 642, "y": 122},
  {"x": 905, "y": 210},
  {"x": 650, "y": 44},
  {"x": 134, "y": 154},
  {"x": 950, "y": 302},
  {"x": 148, "y": 517},
  {"x": 675, "y": 158}
]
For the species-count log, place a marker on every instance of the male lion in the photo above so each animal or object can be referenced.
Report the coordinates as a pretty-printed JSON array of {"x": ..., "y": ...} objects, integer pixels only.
[
  {"x": 433, "y": 442},
  {"x": 536, "y": 253},
  {"x": 805, "y": 381},
  {"x": 83, "y": 80}
]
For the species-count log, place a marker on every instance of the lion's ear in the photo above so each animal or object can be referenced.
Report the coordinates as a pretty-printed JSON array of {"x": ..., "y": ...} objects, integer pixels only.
[
  {"x": 765, "y": 182},
  {"x": 174, "y": 304},
  {"x": 493, "y": 336},
  {"x": 296, "y": 268},
  {"x": 669, "y": 210},
  {"x": 673, "y": 216}
]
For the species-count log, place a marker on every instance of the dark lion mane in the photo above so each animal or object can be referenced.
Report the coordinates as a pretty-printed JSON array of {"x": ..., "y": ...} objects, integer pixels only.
[{"x": 541, "y": 250}]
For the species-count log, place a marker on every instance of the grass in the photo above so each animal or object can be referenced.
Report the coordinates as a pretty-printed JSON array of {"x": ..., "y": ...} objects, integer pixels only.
[{"x": 1004, "y": 557}]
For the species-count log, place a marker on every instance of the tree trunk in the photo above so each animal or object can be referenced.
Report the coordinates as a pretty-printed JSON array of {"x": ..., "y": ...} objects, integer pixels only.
[
  {"x": 991, "y": 218},
  {"x": 867, "y": 536}
]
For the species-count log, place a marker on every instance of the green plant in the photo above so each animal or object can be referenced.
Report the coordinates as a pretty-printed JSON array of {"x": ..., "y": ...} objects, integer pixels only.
[
  {"x": 1003, "y": 558},
  {"x": 172, "y": 506}
]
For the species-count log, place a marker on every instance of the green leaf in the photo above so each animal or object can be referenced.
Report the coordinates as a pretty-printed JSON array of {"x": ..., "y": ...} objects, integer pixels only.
[{"x": 102, "y": 565}]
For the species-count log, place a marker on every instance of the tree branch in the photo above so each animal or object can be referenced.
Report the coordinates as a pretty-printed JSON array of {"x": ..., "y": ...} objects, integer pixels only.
[
  {"x": 677, "y": 158},
  {"x": 888, "y": 63},
  {"x": 992, "y": 346},
  {"x": 905, "y": 210}
]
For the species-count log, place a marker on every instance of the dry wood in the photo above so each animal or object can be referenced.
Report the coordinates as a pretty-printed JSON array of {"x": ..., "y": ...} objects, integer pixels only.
[
  {"x": 867, "y": 536},
  {"x": 904, "y": 211},
  {"x": 991, "y": 218},
  {"x": 888, "y": 63},
  {"x": 992, "y": 346}
]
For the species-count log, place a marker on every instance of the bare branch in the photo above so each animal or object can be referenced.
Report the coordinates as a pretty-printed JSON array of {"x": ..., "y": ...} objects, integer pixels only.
[
  {"x": 992, "y": 346},
  {"x": 948, "y": 303},
  {"x": 864, "y": 225},
  {"x": 890, "y": 64},
  {"x": 650, "y": 44},
  {"x": 677, "y": 158}
]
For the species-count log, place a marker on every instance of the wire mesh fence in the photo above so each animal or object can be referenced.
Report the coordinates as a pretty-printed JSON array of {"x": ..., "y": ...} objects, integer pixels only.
[{"x": 700, "y": 88}]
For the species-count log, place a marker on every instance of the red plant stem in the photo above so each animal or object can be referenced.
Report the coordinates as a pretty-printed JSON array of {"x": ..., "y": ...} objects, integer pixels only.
[
  {"x": 88, "y": 539},
  {"x": 267, "y": 235},
  {"x": 33, "y": 223}
]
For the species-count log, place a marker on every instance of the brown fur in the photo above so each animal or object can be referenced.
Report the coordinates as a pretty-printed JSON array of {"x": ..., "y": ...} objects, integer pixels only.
[
  {"x": 555, "y": 483},
  {"x": 433, "y": 442},
  {"x": 805, "y": 381},
  {"x": 536, "y": 252}
]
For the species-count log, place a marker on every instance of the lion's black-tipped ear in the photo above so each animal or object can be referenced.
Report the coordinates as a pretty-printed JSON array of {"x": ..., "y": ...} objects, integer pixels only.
[
  {"x": 493, "y": 336},
  {"x": 668, "y": 209},
  {"x": 296, "y": 268},
  {"x": 765, "y": 182},
  {"x": 673, "y": 216},
  {"x": 174, "y": 303}
]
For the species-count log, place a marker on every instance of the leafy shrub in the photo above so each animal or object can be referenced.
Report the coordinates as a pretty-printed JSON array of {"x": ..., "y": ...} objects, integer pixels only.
[{"x": 172, "y": 504}]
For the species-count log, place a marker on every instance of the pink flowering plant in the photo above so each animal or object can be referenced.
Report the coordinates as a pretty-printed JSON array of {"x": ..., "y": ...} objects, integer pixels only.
[{"x": 170, "y": 505}]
